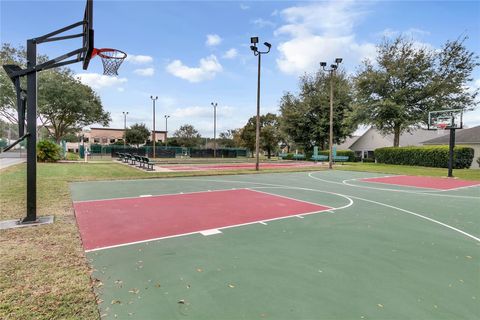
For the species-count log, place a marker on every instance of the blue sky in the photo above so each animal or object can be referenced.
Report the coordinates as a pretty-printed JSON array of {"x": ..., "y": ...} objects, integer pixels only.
[{"x": 192, "y": 53}]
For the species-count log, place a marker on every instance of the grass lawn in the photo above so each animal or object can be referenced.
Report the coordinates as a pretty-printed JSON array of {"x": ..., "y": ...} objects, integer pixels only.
[{"x": 43, "y": 271}]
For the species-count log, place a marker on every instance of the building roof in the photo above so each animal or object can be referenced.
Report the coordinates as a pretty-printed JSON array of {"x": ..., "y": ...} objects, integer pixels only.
[
  {"x": 465, "y": 136},
  {"x": 372, "y": 138},
  {"x": 345, "y": 145}
]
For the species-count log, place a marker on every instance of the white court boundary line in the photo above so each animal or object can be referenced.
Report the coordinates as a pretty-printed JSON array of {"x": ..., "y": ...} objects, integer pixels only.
[
  {"x": 391, "y": 190},
  {"x": 353, "y": 197},
  {"x": 263, "y": 222},
  {"x": 159, "y": 195},
  {"x": 400, "y": 185},
  {"x": 297, "y": 188}
]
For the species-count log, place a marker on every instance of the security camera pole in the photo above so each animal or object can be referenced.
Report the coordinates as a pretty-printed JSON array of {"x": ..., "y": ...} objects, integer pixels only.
[
  {"x": 256, "y": 52},
  {"x": 332, "y": 70},
  {"x": 153, "y": 135}
]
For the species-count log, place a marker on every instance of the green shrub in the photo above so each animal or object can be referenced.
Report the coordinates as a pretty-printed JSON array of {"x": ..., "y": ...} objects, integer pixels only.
[
  {"x": 368, "y": 160},
  {"x": 427, "y": 156},
  {"x": 349, "y": 153},
  {"x": 48, "y": 151},
  {"x": 72, "y": 156}
]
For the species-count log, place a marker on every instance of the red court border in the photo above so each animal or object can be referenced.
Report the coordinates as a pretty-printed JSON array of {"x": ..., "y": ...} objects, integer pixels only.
[
  {"x": 444, "y": 184},
  {"x": 116, "y": 222}
]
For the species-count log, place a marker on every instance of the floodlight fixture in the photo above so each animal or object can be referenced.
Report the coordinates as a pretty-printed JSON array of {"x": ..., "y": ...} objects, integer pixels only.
[
  {"x": 338, "y": 60},
  {"x": 253, "y": 48},
  {"x": 254, "y": 40},
  {"x": 268, "y": 45},
  {"x": 333, "y": 66},
  {"x": 323, "y": 64}
]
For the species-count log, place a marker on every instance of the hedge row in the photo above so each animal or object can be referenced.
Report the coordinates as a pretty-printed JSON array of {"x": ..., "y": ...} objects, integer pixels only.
[{"x": 428, "y": 156}]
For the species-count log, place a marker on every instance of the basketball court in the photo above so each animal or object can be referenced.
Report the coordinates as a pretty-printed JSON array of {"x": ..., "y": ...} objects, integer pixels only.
[
  {"x": 239, "y": 166},
  {"x": 327, "y": 244}
]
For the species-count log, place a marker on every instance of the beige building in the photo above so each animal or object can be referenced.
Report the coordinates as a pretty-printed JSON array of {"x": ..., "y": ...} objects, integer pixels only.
[
  {"x": 106, "y": 136},
  {"x": 110, "y": 135}
]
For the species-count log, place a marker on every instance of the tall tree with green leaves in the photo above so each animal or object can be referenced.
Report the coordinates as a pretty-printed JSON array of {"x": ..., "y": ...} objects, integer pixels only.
[
  {"x": 187, "y": 136},
  {"x": 305, "y": 118},
  {"x": 65, "y": 105},
  {"x": 8, "y": 100},
  {"x": 270, "y": 134},
  {"x": 407, "y": 81},
  {"x": 137, "y": 134}
]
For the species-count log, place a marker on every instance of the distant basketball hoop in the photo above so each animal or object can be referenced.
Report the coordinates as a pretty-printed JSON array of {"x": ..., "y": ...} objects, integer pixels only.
[{"x": 111, "y": 60}]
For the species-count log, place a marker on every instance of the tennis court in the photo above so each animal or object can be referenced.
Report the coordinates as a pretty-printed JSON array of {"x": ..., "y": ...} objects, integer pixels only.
[{"x": 327, "y": 244}]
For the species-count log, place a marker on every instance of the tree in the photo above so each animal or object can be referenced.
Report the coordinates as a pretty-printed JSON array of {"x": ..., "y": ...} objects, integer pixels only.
[
  {"x": 8, "y": 99},
  {"x": 270, "y": 134},
  {"x": 407, "y": 81},
  {"x": 187, "y": 136},
  {"x": 305, "y": 118},
  {"x": 66, "y": 105},
  {"x": 137, "y": 134},
  {"x": 230, "y": 138}
]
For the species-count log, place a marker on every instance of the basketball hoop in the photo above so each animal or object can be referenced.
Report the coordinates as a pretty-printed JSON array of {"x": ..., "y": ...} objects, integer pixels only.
[
  {"x": 442, "y": 126},
  {"x": 111, "y": 59}
]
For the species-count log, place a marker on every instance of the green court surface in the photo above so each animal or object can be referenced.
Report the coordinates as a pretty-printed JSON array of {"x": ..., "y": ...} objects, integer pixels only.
[{"x": 379, "y": 252}]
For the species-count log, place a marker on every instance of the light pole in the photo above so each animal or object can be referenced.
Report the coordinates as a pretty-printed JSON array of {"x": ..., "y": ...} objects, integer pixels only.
[
  {"x": 124, "y": 130},
  {"x": 166, "y": 130},
  {"x": 256, "y": 52},
  {"x": 333, "y": 68},
  {"x": 153, "y": 135},
  {"x": 214, "y": 104}
]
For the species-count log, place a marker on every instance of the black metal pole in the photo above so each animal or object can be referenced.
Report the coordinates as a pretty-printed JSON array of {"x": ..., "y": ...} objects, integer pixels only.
[
  {"x": 330, "y": 143},
  {"x": 32, "y": 130},
  {"x": 257, "y": 131},
  {"x": 153, "y": 136},
  {"x": 450, "y": 152},
  {"x": 166, "y": 131},
  {"x": 214, "y": 129}
]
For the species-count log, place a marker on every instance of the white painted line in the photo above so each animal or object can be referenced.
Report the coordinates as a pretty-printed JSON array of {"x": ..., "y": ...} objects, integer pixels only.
[
  {"x": 391, "y": 190},
  {"x": 210, "y": 232},
  {"x": 145, "y": 195},
  {"x": 191, "y": 233},
  {"x": 289, "y": 198},
  {"x": 299, "y": 216},
  {"x": 155, "y": 196}
]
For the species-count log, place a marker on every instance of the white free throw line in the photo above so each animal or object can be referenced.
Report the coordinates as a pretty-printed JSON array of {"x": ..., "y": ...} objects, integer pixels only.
[{"x": 210, "y": 232}]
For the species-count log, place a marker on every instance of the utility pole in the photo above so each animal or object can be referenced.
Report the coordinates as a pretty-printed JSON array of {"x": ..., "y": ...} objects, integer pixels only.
[
  {"x": 153, "y": 134},
  {"x": 166, "y": 130},
  {"x": 214, "y": 104},
  {"x": 124, "y": 130}
]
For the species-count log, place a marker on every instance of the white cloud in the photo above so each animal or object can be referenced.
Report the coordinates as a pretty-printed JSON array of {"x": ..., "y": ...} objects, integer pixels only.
[
  {"x": 213, "y": 40},
  {"x": 99, "y": 81},
  {"x": 244, "y": 6},
  {"x": 202, "y": 112},
  {"x": 139, "y": 59},
  {"x": 147, "y": 72},
  {"x": 207, "y": 69},
  {"x": 231, "y": 54},
  {"x": 411, "y": 33},
  {"x": 261, "y": 23},
  {"x": 320, "y": 32}
]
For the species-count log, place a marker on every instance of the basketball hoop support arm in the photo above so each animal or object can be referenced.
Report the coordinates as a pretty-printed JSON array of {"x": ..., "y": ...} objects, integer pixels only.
[{"x": 31, "y": 103}]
